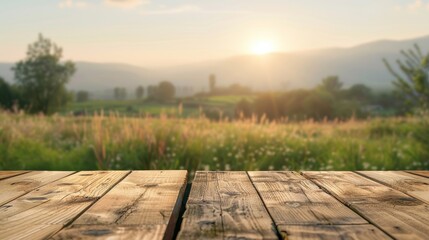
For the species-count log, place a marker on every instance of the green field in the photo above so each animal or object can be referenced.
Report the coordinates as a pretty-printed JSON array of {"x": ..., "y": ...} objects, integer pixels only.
[
  {"x": 188, "y": 107},
  {"x": 114, "y": 142}
]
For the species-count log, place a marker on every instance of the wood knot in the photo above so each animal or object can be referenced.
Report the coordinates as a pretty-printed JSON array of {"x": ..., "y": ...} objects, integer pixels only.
[
  {"x": 96, "y": 232},
  {"x": 293, "y": 204},
  {"x": 400, "y": 201},
  {"x": 150, "y": 185},
  {"x": 21, "y": 183},
  {"x": 64, "y": 184},
  {"x": 36, "y": 199}
]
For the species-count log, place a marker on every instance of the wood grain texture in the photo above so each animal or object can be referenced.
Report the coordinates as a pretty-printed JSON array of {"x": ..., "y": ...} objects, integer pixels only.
[
  {"x": 420, "y": 173},
  {"x": 8, "y": 174},
  {"x": 317, "y": 232},
  {"x": 292, "y": 199},
  {"x": 396, "y": 213},
  {"x": 225, "y": 205},
  {"x": 44, "y": 211},
  {"x": 17, "y": 186},
  {"x": 203, "y": 218},
  {"x": 143, "y": 198},
  {"x": 111, "y": 232},
  {"x": 408, "y": 183}
]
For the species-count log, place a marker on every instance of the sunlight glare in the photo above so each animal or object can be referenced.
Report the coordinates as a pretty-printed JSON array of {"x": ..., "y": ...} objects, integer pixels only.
[{"x": 262, "y": 47}]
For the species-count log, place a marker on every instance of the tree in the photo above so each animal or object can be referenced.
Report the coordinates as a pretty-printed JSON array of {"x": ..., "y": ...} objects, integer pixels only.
[
  {"x": 360, "y": 92},
  {"x": 117, "y": 93},
  {"x": 82, "y": 96},
  {"x": 42, "y": 77},
  {"x": 165, "y": 91},
  {"x": 268, "y": 105},
  {"x": 331, "y": 84},
  {"x": 318, "y": 105},
  {"x": 139, "y": 92},
  {"x": 120, "y": 93},
  {"x": 6, "y": 94},
  {"x": 212, "y": 83},
  {"x": 151, "y": 91},
  {"x": 243, "y": 108},
  {"x": 413, "y": 83}
]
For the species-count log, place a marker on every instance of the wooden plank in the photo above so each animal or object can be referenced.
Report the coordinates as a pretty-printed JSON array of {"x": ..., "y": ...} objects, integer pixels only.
[
  {"x": 394, "y": 212},
  {"x": 225, "y": 205},
  {"x": 17, "y": 186},
  {"x": 108, "y": 232},
  {"x": 44, "y": 211},
  {"x": 8, "y": 174},
  {"x": 202, "y": 218},
  {"x": 410, "y": 184},
  {"x": 420, "y": 173},
  {"x": 292, "y": 199},
  {"x": 142, "y": 199},
  {"x": 316, "y": 232}
]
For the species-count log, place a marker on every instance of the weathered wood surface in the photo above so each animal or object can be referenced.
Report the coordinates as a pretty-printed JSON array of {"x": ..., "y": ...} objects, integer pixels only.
[
  {"x": 41, "y": 213},
  {"x": 144, "y": 202},
  {"x": 225, "y": 205},
  {"x": 110, "y": 232},
  {"x": 292, "y": 199},
  {"x": 340, "y": 232},
  {"x": 397, "y": 214},
  {"x": 13, "y": 187},
  {"x": 408, "y": 183},
  {"x": 221, "y": 205},
  {"x": 8, "y": 174},
  {"x": 420, "y": 173}
]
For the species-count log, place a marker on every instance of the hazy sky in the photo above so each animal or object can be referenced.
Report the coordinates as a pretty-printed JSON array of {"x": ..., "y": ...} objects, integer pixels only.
[{"x": 172, "y": 32}]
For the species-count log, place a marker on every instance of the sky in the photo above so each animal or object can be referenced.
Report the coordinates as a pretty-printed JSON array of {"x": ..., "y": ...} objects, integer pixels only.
[{"x": 155, "y": 33}]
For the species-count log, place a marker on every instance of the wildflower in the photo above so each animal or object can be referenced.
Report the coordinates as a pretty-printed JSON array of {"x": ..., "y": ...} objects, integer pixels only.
[
  {"x": 366, "y": 165},
  {"x": 227, "y": 167}
]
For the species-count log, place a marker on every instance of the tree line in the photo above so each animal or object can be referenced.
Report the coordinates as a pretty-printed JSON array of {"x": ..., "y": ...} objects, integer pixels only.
[
  {"x": 328, "y": 100},
  {"x": 40, "y": 82},
  {"x": 163, "y": 92}
]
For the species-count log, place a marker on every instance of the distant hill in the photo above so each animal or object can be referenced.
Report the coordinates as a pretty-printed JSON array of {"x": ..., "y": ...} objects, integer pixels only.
[{"x": 359, "y": 64}]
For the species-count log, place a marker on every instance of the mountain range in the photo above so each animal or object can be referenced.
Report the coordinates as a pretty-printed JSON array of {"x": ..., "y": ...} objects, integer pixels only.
[{"x": 275, "y": 71}]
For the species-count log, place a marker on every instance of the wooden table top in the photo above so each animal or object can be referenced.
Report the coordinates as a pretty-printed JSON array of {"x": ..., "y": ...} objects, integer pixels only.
[{"x": 217, "y": 205}]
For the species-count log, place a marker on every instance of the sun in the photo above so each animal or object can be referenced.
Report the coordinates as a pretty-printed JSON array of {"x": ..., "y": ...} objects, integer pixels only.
[{"x": 262, "y": 47}]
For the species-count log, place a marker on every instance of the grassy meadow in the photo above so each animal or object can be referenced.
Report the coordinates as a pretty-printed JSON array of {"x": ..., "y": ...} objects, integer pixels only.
[{"x": 112, "y": 141}]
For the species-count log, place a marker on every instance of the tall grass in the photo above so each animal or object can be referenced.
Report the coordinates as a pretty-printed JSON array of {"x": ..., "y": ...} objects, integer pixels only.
[{"x": 110, "y": 141}]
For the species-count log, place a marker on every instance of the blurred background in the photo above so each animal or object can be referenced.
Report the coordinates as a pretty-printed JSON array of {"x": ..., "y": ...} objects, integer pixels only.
[{"x": 219, "y": 85}]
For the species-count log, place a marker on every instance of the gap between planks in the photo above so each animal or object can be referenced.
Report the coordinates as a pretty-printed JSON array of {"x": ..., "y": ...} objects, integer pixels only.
[
  {"x": 394, "y": 212},
  {"x": 8, "y": 174},
  {"x": 420, "y": 173},
  {"x": 296, "y": 205},
  {"x": 415, "y": 186},
  {"x": 144, "y": 205},
  {"x": 276, "y": 228},
  {"x": 42, "y": 213},
  {"x": 225, "y": 205},
  {"x": 16, "y": 186}
]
